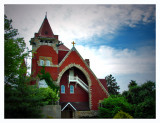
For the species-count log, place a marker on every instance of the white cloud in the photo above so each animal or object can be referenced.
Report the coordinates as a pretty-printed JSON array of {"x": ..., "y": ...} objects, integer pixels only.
[
  {"x": 80, "y": 22},
  {"x": 86, "y": 21},
  {"x": 107, "y": 60}
]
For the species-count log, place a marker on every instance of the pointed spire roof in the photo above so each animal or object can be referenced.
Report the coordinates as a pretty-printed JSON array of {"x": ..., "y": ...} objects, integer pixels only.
[{"x": 45, "y": 29}]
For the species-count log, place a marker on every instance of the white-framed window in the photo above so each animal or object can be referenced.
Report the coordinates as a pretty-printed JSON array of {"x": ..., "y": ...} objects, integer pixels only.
[
  {"x": 71, "y": 89},
  {"x": 47, "y": 63},
  {"x": 62, "y": 89},
  {"x": 41, "y": 62}
]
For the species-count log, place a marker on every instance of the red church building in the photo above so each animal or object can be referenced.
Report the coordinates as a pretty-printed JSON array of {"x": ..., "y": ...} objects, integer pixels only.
[{"x": 80, "y": 90}]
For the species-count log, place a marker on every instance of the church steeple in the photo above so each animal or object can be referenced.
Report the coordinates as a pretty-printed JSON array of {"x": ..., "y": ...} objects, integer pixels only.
[
  {"x": 45, "y": 36},
  {"x": 45, "y": 29}
]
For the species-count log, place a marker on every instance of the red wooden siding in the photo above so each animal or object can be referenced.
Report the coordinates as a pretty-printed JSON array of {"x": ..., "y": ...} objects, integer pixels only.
[
  {"x": 97, "y": 91},
  {"x": 79, "y": 95},
  {"x": 47, "y": 51}
]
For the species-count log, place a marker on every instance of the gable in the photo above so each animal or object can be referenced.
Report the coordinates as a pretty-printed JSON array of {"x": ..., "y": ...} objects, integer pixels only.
[
  {"x": 77, "y": 106},
  {"x": 70, "y": 105},
  {"x": 74, "y": 59}
]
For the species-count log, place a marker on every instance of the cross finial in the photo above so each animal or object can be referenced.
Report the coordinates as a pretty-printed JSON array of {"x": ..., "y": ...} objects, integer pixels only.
[{"x": 73, "y": 43}]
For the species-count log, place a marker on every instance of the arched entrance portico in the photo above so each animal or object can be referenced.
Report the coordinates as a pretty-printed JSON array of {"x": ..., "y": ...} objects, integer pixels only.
[{"x": 86, "y": 75}]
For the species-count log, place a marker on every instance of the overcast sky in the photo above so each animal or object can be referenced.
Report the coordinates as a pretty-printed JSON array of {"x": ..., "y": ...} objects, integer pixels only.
[{"x": 118, "y": 39}]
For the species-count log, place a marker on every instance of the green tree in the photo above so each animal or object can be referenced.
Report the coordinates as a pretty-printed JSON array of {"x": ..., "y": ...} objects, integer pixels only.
[
  {"x": 50, "y": 96},
  {"x": 143, "y": 99},
  {"x": 47, "y": 77},
  {"x": 14, "y": 51},
  {"x": 21, "y": 100},
  {"x": 113, "y": 88},
  {"x": 146, "y": 107},
  {"x": 127, "y": 94},
  {"x": 112, "y": 105},
  {"x": 132, "y": 84}
]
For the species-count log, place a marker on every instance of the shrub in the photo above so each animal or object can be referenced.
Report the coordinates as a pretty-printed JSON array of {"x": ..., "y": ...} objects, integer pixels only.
[
  {"x": 112, "y": 105},
  {"x": 49, "y": 95},
  {"x": 122, "y": 115},
  {"x": 49, "y": 117}
]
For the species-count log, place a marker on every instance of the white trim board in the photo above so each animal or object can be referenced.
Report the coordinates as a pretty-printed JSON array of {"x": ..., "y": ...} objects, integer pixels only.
[{"x": 70, "y": 105}]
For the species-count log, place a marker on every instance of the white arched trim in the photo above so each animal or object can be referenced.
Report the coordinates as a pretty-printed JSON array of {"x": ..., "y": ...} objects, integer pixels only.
[
  {"x": 77, "y": 66},
  {"x": 84, "y": 72}
]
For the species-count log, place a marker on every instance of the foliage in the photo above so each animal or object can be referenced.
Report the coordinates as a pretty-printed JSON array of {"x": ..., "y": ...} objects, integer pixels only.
[
  {"x": 145, "y": 109},
  {"x": 49, "y": 95},
  {"x": 143, "y": 99},
  {"x": 50, "y": 117},
  {"x": 122, "y": 115},
  {"x": 132, "y": 84},
  {"x": 113, "y": 88},
  {"x": 112, "y": 105},
  {"x": 14, "y": 51},
  {"x": 47, "y": 77},
  {"x": 138, "y": 94},
  {"x": 21, "y": 100}
]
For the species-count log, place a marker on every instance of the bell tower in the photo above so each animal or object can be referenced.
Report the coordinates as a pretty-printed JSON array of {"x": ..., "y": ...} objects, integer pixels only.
[
  {"x": 45, "y": 36},
  {"x": 45, "y": 50}
]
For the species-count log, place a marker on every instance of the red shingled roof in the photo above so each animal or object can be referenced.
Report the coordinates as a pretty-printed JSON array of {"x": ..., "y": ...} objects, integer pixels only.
[
  {"x": 63, "y": 47},
  {"x": 104, "y": 83},
  {"x": 45, "y": 30},
  {"x": 62, "y": 51},
  {"x": 61, "y": 55}
]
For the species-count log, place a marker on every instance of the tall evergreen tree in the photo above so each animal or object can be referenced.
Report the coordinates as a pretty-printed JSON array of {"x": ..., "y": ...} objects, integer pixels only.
[
  {"x": 21, "y": 100},
  {"x": 113, "y": 88},
  {"x": 132, "y": 84}
]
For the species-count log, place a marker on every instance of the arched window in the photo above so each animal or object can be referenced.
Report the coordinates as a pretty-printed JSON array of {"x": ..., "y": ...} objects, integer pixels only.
[
  {"x": 41, "y": 63},
  {"x": 62, "y": 89},
  {"x": 71, "y": 89},
  {"x": 47, "y": 63}
]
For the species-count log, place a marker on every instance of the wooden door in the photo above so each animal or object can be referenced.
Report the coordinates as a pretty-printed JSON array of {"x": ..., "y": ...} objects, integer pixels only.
[{"x": 66, "y": 114}]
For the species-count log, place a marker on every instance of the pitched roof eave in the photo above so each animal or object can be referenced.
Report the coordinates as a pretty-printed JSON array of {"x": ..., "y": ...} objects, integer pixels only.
[{"x": 70, "y": 105}]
